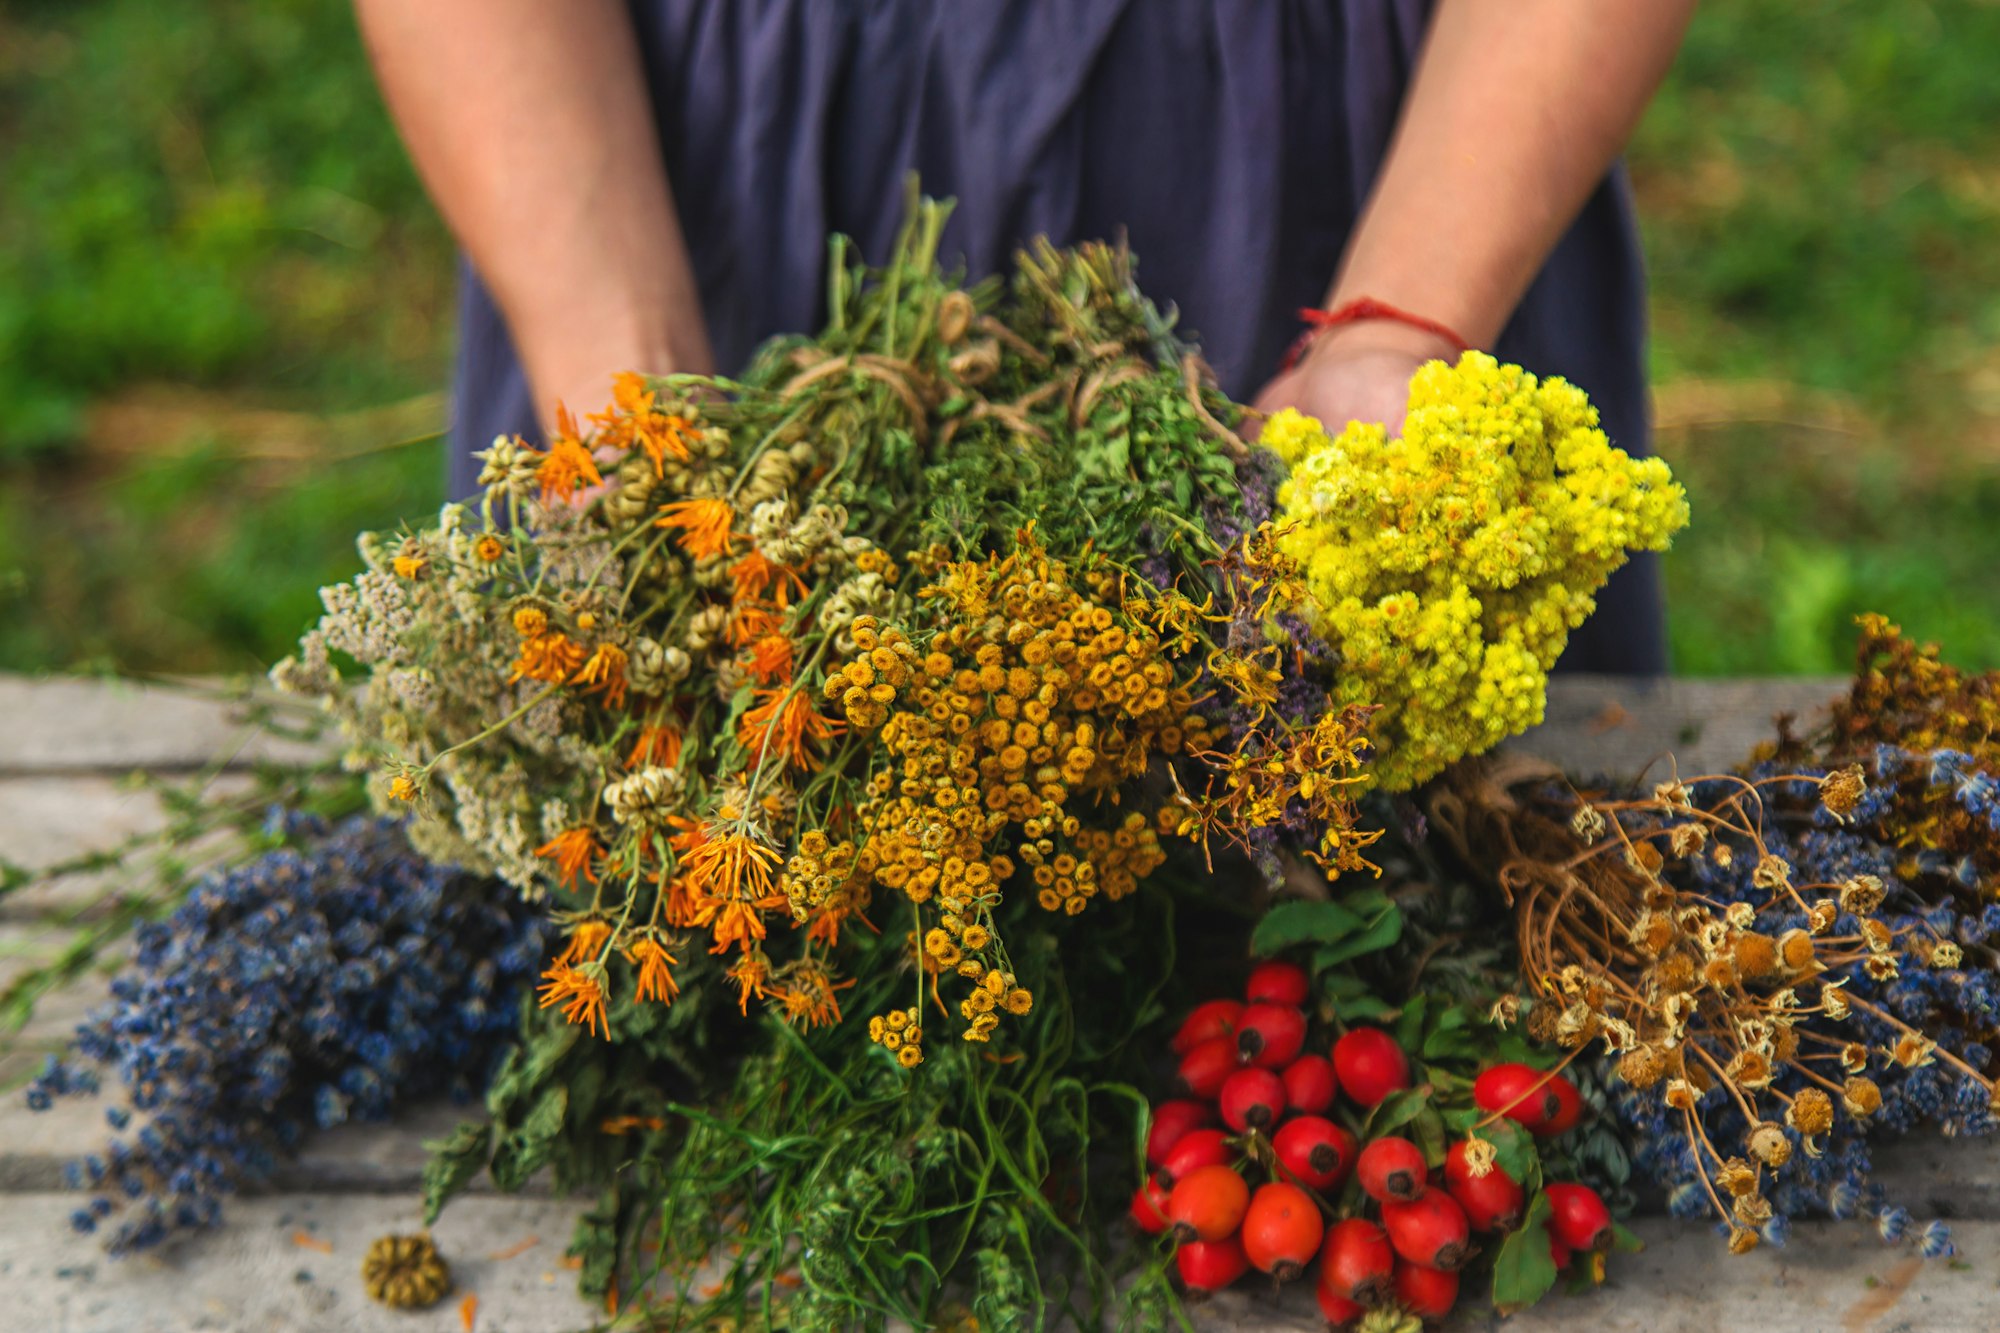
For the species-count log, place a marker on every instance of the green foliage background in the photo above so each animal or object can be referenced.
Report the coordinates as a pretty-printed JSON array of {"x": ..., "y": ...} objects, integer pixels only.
[{"x": 225, "y": 306}]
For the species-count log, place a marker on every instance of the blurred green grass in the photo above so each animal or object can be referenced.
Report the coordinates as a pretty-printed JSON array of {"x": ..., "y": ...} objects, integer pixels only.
[{"x": 224, "y": 301}]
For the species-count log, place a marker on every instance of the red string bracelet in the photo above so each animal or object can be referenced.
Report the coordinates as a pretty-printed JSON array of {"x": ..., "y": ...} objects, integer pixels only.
[{"x": 1361, "y": 308}]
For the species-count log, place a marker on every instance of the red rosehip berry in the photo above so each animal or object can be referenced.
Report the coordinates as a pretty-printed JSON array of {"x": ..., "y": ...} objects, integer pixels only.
[
  {"x": 1278, "y": 982},
  {"x": 1215, "y": 1018},
  {"x": 1204, "y": 1067},
  {"x": 1252, "y": 1098},
  {"x": 1197, "y": 1148},
  {"x": 1430, "y": 1230},
  {"x": 1357, "y": 1262},
  {"x": 1370, "y": 1065},
  {"x": 1270, "y": 1035},
  {"x": 1492, "y": 1202},
  {"x": 1578, "y": 1217},
  {"x": 1171, "y": 1120},
  {"x": 1569, "y": 1109},
  {"x": 1207, "y": 1203},
  {"x": 1392, "y": 1169},
  {"x": 1282, "y": 1230},
  {"x": 1517, "y": 1092},
  {"x": 1559, "y": 1255},
  {"x": 1149, "y": 1204},
  {"x": 1317, "y": 1151},
  {"x": 1310, "y": 1084},
  {"x": 1427, "y": 1293},
  {"x": 1211, "y": 1265},
  {"x": 1338, "y": 1311}
]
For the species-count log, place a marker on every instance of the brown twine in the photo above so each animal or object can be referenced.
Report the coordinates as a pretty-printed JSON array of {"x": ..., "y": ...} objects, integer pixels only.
[
  {"x": 1193, "y": 374},
  {"x": 899, "y": 377},
  {"x": 1103, "y": 381}
]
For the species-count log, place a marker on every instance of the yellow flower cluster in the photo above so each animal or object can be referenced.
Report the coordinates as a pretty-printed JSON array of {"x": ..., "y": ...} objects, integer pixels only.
[
  {"x": 899, "y": 1031},
  {"x": 1033, "y": 692},
  {"x": 1447, "y": 567}
]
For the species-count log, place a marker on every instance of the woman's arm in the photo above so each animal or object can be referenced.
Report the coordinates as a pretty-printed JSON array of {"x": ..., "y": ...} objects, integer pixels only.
[
  {"x": 530, "y": 124},
  {"x": 1517, "y": 110}
]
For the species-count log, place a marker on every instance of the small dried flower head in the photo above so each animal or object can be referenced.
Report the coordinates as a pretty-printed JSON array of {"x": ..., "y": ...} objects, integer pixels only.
[
  {"x": 489, "y": 548},
  {"x": 1676, "y": 974},
  {"x": 1480, "y": 1156},
  {"x": 1755, "y": 955},
  {"x": 1860, "y": 1096},
  {"x": 1642, "y": 1067},
  {"x": 1680, "y": 1094},
  {"x": 1742, "y": 1240},
  {"x": 1719, "y": 973},
  {"x": 1773, "y": 873},
  {"x": 1769, "y": 1143},
  {"x": 1822, "y": 916},
  {"x": 1862, "y": 894},
  {"x": 404, "y": 787},
  {"x": 1736, "y": 1178},
  {"x": 1750, "y": 1069},
  {"x": 1687, "y": 839},
  {"x": 1652, "y": 934},
  {"x": 1673, "y": 794},
  {"x": 1947, "y": 954},
  {"x": 1645, "y": 858},
  {"x": 1854, "y": 1057},
  {"x": 1576, "y": 1026},
  {"x": 1795, "y": 950},
  {"x": 530, "y": 622},
  {"x": 1877, "y": 935},
  {"x": 1725, "y": 858},
  {"x": 1587, "y": 823},
  {"x": 1882, "y": 967},
  {"x": 1752, "y": 1210},
  {"x": 1542, "y": 1020},
  {"x": 1740, "y": 916},
  {"x": 1506, "y": 1011},
  {"x": 1913, "y": 1051},
  {"x": 1811, "y": 1112},
  {"x": 1841, "y": 790},
  {"x": 1834, "y": 1001}
]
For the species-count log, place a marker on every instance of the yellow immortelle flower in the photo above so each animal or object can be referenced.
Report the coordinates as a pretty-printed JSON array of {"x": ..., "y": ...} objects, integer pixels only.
[{"x": 1448, "y": 566}]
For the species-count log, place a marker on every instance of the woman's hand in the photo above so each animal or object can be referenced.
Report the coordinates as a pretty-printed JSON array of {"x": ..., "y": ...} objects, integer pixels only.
[{"x": 1356, "y": 372}]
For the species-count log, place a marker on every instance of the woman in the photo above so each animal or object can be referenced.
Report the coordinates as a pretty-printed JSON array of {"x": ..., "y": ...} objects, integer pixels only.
[{"x": 649, "y": 185}]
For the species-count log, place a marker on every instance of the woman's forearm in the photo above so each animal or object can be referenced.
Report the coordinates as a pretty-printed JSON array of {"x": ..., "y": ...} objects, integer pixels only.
[
  {"x": 1517, "y": 109},
  {"x": 531, "y": 126}
]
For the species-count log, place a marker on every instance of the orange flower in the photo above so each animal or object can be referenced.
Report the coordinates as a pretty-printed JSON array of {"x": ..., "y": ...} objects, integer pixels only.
[
  {"x": 739, "y": 922},
  {"x": 704, "y": 525},
  {"x": 758, "y": 577},
  {"x": 750, "y": 973},
  {"x": 729, "y": 865},
  {"x": 586, "y": 941},
  {"x": 580, "y": 993},
  {"x": 823, "y": 926},
  {"x": 572, "y": 850},
  {"x": 656, "y": 745},
  {"x": 751, "y": 622},
  {"x": 550, "y": 657},
  {"x": 632, "y": 419},
  {"x": 784, "y": 725},
  {"x": 567, "y": 466},
  {"x": 655, "y": 981},
  {"x": 771, "y": 658},
  {"x": 811, "y": 997},
  {"x": 604, "y": 673}
]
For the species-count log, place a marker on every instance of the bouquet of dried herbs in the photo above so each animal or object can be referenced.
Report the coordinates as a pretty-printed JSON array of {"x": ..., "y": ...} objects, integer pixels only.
[{"x": 1785, "y": 962}]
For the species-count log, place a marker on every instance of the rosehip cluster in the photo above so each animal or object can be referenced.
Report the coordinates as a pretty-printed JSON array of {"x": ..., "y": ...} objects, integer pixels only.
[{"x": 1268, "y": 1187}]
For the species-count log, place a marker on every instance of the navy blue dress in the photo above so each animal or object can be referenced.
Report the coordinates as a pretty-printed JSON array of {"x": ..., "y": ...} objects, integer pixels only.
[{"x": 1233, "y": 141}]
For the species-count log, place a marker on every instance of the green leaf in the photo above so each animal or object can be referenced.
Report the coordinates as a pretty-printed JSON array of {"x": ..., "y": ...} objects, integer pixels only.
[
  {"x": 1301, "y": 922},
  {"x": 1524, "y": 1271},
  {"x": 1513, "y": 1147},
  {"x": 1397, "y": 1110},
  {"x": 1624, "y": 1241},
  {"x": 1427, "y": 1128},
  {"x": 453, "y": 1163},
  {"x": 1363, "y": 1009},
  {"x": 1410, "y": 1027},
  {"x": 546, "y": 1120},
  {"x": 1382, "y": 926}
]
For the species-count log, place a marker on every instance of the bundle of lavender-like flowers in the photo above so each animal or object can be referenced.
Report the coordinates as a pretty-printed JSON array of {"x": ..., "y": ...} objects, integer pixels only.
[{"x": 322, "y": 982}]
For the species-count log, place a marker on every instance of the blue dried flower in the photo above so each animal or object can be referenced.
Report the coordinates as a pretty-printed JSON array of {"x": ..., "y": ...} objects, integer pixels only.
[{"x": 322, "y": 982}]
